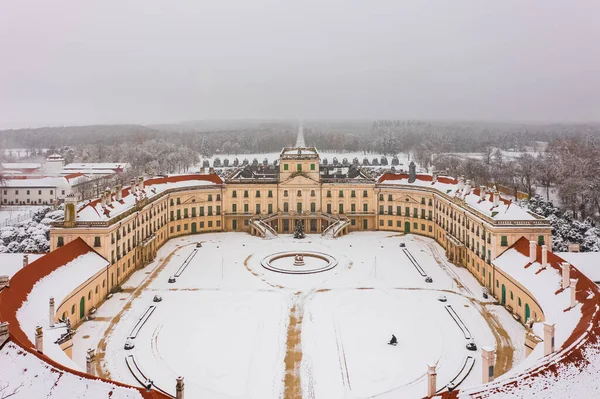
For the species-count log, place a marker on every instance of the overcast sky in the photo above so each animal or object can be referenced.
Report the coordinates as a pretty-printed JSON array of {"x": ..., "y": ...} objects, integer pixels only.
[{"x": 66, "y": 62}]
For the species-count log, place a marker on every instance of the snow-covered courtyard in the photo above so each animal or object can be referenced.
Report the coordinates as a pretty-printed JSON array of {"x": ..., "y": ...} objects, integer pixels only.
[{"x": 227, "y": 324}]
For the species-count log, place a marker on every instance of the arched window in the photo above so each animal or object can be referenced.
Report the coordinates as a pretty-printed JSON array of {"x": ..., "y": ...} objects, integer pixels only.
[
  {"x": 285, "y": 193},
  {"x": 90, "y": 296},
  {"x": 299, "y": 193},
  {"x": 312, "y": 193},
  {"x": 73, "y": 309},
  {"x": 96, "y": 291}
]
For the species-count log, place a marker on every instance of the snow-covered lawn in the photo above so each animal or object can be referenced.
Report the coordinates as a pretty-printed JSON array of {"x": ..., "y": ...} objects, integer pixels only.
[{"x": 223, "y": 324}]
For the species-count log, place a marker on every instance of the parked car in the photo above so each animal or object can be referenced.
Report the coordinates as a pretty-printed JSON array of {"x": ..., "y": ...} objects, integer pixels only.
[
  {"x": 402, "y": 245},
  {"x": 157, "y": 298},
  {"x": 172, "y": 279},
  {"x": 428, "y": 279},
  {"x": 129, "y": 344},
  {"x": 442, "y": 298}
]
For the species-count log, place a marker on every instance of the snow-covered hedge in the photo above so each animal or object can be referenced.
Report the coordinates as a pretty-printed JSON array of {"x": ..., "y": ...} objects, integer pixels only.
[
  {"x": 31, "y": 235},
  {"x": 566, "y": 230}
]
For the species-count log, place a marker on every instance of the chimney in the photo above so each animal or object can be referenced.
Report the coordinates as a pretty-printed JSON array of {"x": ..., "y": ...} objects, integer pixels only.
[
  {"x": 108, "y": 195},
  {"x": 496, "y": 196},
  {"x": 544, "y": 256},
  {"x": 51, "y": 313},
  {"x": 548, "y": 338},
  {"x": 412, "y": 172},
  {"x": 482, "y": 193},
  {"x": 572, "y": 285},
  {"x": 431, "y": 381},
  {"x": 4, "y": 282},
  {"x": 468, "y": 187},
  {"x": 203, "y": 170},
  {"x": 39, "y": 339},
  {"x": 179, "y": 388},
  {"x": 103, "y": 200},
  {"x": 118, "y": 192},
  {"x": 488, "y": 356},
  {"x": 133, "y": 188},
  {"x": 211, "y": 171},
  {"x": 89, "y": 362},
  {"x": 461, "y": 183},
  {"x": 25, "y": 260},
  {"x": 4, "y": 334},
  {"x": 532, "y": 251},
  {"x": 566, "y": 274},
  {"x": 434, "y": 175},
  {"x": 141, "y": 182}
]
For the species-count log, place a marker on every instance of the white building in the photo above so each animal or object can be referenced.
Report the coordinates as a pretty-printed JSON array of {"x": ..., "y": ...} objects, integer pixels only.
[{"x": 39, "y": 191}]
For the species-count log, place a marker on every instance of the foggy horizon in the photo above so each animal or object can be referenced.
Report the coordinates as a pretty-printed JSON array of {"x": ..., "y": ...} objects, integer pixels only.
[{"x": 151, "y": 63}]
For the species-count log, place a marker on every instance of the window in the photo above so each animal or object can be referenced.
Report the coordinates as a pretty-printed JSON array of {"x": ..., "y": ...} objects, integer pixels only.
[
  {"x": 328, "y": 208},
  {"x": 389, "y": 197},
  {"x": 178, "y": 201},
  {"x": 415, "y": 225},
  {"x": 381, "y": 223},
  {"x": 390, "y": 212},
  {"x": 341, "y": 208},
  {"x": 185, "y": 213},
  {"x": 234, "y": 194},
  {"x": 218, "y": 210},
  {"x": 201, "y": 211},
  {"x": 270, "y": 194},
  {"x": 328, "y": 193},
  {"x": 519, "y": 301},
  {"x": 172, "y": 216},
  {"x": 299, "y": 207},
  {"x": 423, "y": 227},
  {"x": 423, "y": 200},
  {"x": 380, "y": 197},
  {"x": 270, "y": 208},
  {"x": 73, "y": 309},
  {"x": 178, "y": 217},
  {"x": 210, "y": 197},
  {"x": 174, "y": 204},
  {"x": 312, "y": 166},
  {"x": 285, "y": 166},
  {"x": 381, "y": 209},
  {"x": 299, "y": 167},
  {"x": 285, "y": 193},
  {"x": 60, "y": 241},
  {"x": 245, "y": 193},
  {"x": 39, "y": 192},
  {"x": 245, "y": 208},
  {"x": 389, "y": 223},
  {"x": 313, "y": 193},
  {"x": 218, "y": 197},
  {"x": 257, "y": 208},
  {"x": 96, "y": 241},
  {"x": 353, "y": 194},
  {"x": 341, "y": 194},
  {"x": 353, "y": 207},
  {"x": 233, "y": 208},
  {"x": 313, "y": 207},
  {"x": 540, "y": 240},
  {"x": 178, "y": 228},
  {"x": 193, "y": 212},
  {"x": 365, "y": 194},
  {"x": 286, "y": 207},
  {"x": 299, "y": 193},
  {"x": 365, "y": 207}
]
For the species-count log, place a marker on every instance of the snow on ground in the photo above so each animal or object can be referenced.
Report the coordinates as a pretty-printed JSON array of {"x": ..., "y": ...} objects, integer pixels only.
[
  {"x": 586, "y": 262},
  {"x": 12, "y": 263},
  {"x": 223, "y": 323}
]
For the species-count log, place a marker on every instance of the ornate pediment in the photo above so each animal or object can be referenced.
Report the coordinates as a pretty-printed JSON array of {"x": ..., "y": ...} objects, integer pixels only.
[{"x": 300, "y": 180}]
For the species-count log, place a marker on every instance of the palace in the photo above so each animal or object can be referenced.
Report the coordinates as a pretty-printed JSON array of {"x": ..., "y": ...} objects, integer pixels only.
[
  {"x": 127, "y": 225},
  {"x": 101, "y": 242}
]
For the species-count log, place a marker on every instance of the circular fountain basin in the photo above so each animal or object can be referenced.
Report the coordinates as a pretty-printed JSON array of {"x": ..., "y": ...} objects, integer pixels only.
[{"x": 285, "y": 262}]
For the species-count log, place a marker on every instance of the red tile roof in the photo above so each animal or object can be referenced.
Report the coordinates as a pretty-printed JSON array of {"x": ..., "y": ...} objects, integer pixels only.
[{"x": 21, "y": 285}]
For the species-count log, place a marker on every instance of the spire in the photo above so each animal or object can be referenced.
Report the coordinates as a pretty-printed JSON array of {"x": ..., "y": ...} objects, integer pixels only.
[{"x": 300, "y": 139}]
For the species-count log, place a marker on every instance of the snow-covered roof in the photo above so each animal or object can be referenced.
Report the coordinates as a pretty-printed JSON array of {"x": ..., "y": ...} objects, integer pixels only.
[
  {"x": 94, "y": 211},
  {"x": 103, "y": 165},
  {"x": 24, "y": 305},
  {"x": 505, "y": 210},
  {"x": 37, "y": 182},
  {"x": 586, "y": 262},
  {"x": 29, "y": 377},
  {"x": 568, "y": 371},
  {"x": 19, "y": 165},
  {"x": 12, "y": 263},
  {"x": 89, "y": 171}
]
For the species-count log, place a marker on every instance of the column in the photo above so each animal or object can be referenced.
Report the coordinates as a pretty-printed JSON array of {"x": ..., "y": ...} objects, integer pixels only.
[
  {"x": 179, "y": 388},
  {"x": 39, "y": 339},
  {"x": 51, "y": 312},
  {"x": 488, "y": 357},
  {"x": 431, "y": 380},
  {"x": 548, "y": 338}
]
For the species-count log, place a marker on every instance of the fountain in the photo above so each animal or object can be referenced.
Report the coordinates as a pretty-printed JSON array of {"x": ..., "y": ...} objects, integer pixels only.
[{"x": 299, "y": 260}]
